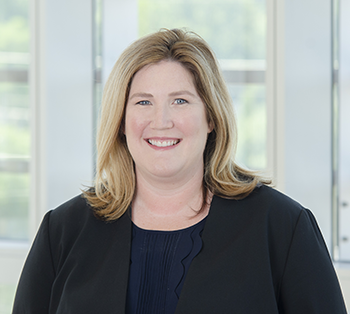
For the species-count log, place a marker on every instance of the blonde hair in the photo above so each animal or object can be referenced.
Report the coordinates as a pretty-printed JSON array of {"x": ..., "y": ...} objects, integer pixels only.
[{"x": 115, "y": 180}]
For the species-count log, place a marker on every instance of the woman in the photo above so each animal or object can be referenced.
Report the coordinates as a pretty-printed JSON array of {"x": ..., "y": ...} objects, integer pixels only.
[{"x": 172, "y": 224}]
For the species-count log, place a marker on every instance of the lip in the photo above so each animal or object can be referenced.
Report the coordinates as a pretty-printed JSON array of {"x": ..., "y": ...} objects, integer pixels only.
[{"x": 163, "y": 140}]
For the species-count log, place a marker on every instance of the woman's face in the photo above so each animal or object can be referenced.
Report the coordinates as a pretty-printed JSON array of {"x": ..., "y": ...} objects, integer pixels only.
[{"x": 166, "y": 126}]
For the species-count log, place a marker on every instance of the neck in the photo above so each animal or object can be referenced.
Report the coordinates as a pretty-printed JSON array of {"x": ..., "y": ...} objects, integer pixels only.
[{"x": 168, "y": 206}]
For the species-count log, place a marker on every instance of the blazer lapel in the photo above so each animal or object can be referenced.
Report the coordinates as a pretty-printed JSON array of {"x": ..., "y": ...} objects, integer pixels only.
[
  {"x": 122, "y": 253},
  {"x": 205, "y": 288},
  {"x": 189, "y": 298}
]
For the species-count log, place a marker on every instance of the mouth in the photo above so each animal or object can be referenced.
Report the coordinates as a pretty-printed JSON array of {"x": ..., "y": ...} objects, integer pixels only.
[{"x": 163, "y": 143}]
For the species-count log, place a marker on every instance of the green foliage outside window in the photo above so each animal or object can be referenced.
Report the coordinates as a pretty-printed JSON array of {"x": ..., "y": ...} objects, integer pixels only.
[
  {"x": 14, "y": 26},
  {"x": 14, "y": 121},
  {"x": 235, "y": 29}
]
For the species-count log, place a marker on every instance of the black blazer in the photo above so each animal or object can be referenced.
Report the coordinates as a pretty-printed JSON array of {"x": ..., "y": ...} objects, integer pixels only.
[{"x": 263, "y": 254}]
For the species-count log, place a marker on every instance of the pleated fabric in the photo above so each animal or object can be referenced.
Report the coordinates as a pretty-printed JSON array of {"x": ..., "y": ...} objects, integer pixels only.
[{"x": 159, "y": 264}]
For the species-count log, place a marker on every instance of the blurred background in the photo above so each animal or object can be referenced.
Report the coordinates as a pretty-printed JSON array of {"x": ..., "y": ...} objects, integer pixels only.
[{"x": 286, "y": 63}]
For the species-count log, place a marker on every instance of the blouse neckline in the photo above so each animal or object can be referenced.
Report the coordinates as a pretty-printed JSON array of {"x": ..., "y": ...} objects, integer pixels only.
[{"x": 168, "y": 231}]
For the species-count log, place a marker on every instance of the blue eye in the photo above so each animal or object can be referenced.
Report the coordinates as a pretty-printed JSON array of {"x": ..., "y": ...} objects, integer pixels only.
[
  {"x": 143, "y": 102},
  {"x": 180, "y": 101}
]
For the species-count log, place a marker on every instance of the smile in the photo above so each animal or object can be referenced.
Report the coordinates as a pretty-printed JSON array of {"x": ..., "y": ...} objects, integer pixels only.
[{"x": 159, "y": 143}]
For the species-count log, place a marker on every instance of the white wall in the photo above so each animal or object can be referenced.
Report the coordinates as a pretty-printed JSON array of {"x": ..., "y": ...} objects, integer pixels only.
[
  {"x": 304, "y": 83},
  {"x": 63, "y": 102},
  {"x": 119, "y": 30}
]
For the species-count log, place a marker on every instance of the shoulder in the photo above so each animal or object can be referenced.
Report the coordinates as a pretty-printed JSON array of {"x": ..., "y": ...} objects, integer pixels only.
[
  {"x": 69, "y": 221},
  {"x": 264, "y": 211},
  {"x": 76, "y": 209},
  {"x": 76, "y": 217},
  {"x": 72, "y": 221},
  {"x": 72, "y": 228},
  {"x": 275, "y": 204},
  {"x": 263, "y": 200},
  {"x": 266, "y": 220}
]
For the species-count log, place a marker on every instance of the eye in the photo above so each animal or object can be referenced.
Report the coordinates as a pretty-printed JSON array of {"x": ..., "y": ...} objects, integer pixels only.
[
  {"x": 143, "y": 102},
  {"x": 180, "y": 101}
]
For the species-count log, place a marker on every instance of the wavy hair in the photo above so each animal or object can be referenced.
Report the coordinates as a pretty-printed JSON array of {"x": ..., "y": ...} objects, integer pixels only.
[{"x": 115, "y": 179}]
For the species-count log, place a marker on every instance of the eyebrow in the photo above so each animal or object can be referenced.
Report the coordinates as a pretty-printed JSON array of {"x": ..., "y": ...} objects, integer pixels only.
[
  {"x": 182, "y": 92},
  {"x": 142, "y": 95},
  {"x": 177, "y": 93}
]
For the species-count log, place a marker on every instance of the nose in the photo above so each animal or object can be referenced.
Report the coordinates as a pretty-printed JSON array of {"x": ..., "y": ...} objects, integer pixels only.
[{"x": 162, "y": 117}]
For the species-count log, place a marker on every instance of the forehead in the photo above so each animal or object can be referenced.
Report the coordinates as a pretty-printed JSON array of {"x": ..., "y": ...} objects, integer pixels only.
[{"x": 164, "y": 73}]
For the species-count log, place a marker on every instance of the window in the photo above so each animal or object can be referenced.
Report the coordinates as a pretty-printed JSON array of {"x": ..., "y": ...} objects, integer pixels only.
[
  {"x": 15, "y": 137},
  {"x": 14, "y": 121}
]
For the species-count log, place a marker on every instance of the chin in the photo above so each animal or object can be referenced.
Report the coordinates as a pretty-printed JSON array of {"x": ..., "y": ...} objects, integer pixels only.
[{"x": 164, "y": 171}]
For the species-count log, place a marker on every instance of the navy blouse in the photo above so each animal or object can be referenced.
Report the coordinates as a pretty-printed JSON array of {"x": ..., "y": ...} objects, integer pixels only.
[{"x": 159, "y": 264}]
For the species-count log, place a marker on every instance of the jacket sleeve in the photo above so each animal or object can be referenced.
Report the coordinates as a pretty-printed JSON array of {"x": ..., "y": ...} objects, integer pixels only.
[
  {"x": 309, "y": 284},
  {"x": 34, "y": 288}
]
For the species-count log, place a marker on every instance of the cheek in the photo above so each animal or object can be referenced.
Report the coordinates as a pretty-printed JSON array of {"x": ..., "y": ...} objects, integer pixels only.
[
  {"x": 134, "y": 126},
  {"x": 197, "y": 125}
]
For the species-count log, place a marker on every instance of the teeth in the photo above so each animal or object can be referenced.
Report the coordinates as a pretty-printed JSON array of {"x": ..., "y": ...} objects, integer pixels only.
[{"x": 163, "y": 143}]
